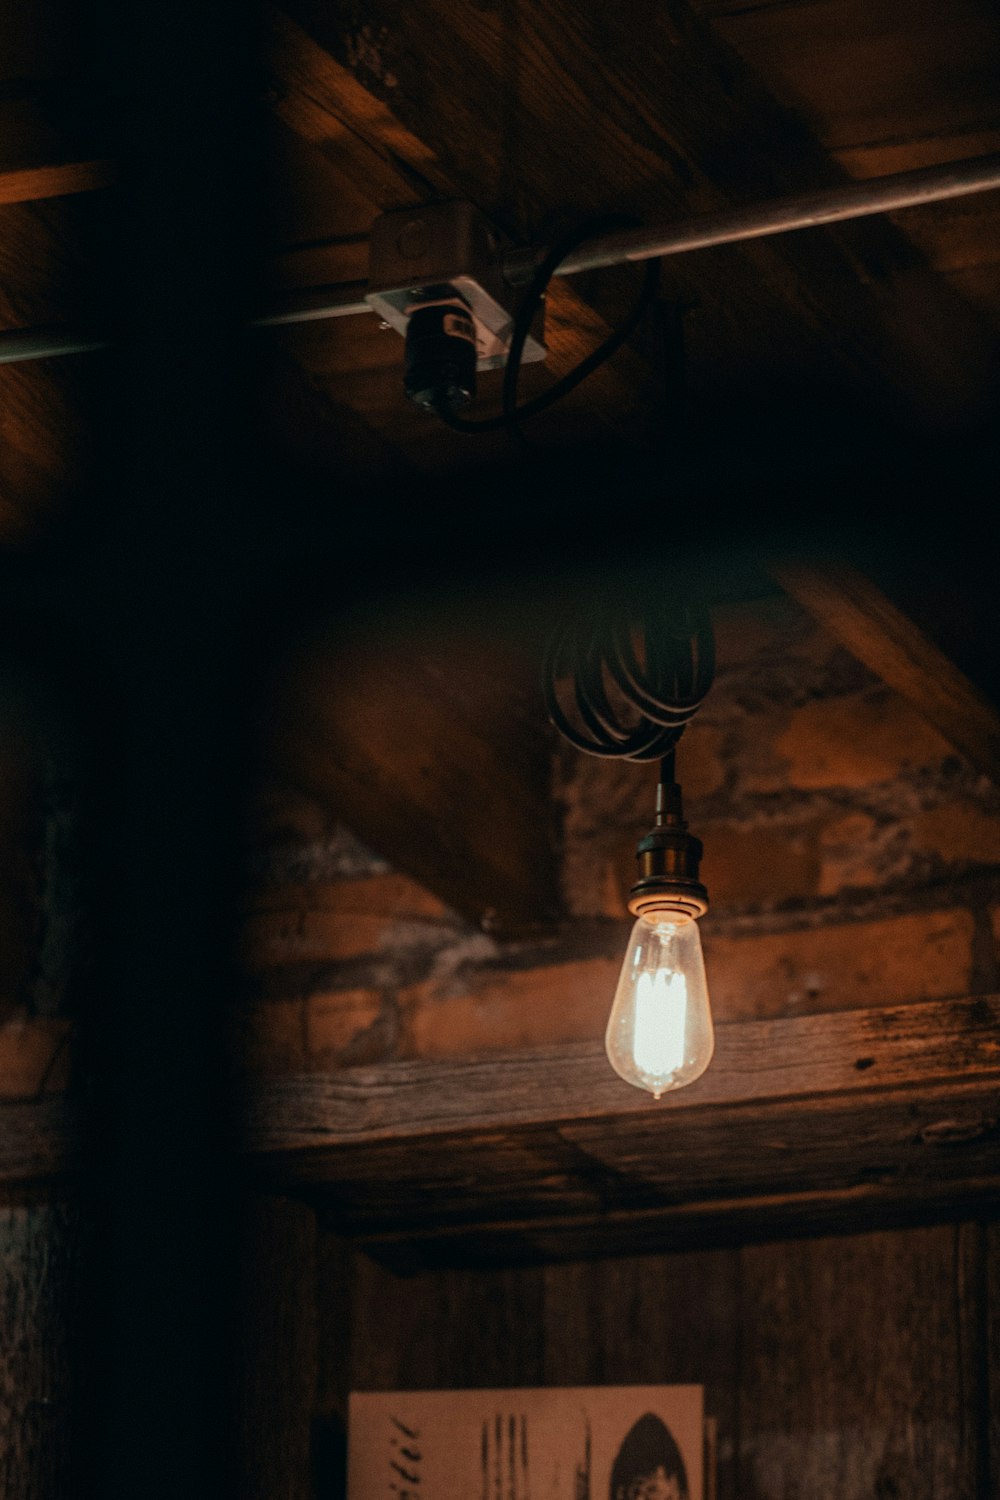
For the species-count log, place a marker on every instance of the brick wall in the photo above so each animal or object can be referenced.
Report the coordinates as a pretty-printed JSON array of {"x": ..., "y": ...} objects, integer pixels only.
[{"x": 853, "y": 859}]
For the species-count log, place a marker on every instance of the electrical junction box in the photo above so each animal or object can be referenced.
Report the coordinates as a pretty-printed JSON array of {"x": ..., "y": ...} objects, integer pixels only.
[{"x": 428, "y": 254}]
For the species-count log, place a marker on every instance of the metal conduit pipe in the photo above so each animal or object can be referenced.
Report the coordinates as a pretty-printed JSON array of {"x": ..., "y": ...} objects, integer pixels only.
[
  {"x": 344, "y": 301},
  {"x": 849, "y": 200},
  {"x": 20, "y": 344}
]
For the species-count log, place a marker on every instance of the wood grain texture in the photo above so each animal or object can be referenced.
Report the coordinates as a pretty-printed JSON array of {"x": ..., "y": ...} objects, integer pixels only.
[
  {"x": 798, "y": 1127},
  {"x": 833, "y": 1367},
  {"x": 531, "y": 1195},
  {"x": 25, "y": 184},
  {"x": 324, "y": 103},
  {"x": 637, "y": 1321},
  {"x": 455, "y": 1329},
  {"x": 277, "y": 1367},
  {"x": 851, "y": 1370},
  {"x": 898, "y": 89},
  {"x": 839, "y": 1054},
  {"x": 990, "y": 1374},
  {"x": 856, "y": 611},
  {"x": 37, "y": 1414},
  {"x": 437, "y": 757}
]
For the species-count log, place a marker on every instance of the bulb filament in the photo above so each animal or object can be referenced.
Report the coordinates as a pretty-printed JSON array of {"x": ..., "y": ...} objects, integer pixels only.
[{"x": 660, "y": 1022}]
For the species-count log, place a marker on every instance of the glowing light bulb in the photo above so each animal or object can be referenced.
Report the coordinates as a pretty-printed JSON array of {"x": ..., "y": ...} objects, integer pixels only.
[{"x": 660, "y": 1032}]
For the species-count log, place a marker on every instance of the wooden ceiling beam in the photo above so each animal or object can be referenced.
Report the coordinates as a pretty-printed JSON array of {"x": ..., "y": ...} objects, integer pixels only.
[
  {"x": 805, "y": 1124},
  {"x": 863, "y": 619},
  {"x": 324, "y": 103},
  {"x": 801, "y": 1125},
  {"x": 435, "y": 752},
  {"x": 48, "y": 145},
  {"x": 930, "y": 1043},
  {"x": 29, "y": 184}
]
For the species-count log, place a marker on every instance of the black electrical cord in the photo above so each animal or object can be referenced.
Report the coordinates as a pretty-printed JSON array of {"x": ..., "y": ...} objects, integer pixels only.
[
  {"x": 633, "y": 689},
  {"x": 512, "y": 414}
]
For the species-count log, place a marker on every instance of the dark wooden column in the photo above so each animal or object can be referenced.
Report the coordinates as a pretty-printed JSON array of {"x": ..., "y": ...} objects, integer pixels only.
[{"x": 39, "y": 1249}]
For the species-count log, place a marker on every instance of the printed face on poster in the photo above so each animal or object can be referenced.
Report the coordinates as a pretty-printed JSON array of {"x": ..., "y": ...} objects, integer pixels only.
[{"x": 580, "y": 1443}]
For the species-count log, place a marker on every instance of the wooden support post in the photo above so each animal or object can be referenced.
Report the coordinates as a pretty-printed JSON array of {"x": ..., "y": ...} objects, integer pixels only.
[{"x": 38, "y": 1420}]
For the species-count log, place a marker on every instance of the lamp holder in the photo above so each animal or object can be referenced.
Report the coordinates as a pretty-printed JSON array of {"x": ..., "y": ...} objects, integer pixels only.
[
  {"x": 669, "y": 857},
  {"x": 448, "y": 251}
]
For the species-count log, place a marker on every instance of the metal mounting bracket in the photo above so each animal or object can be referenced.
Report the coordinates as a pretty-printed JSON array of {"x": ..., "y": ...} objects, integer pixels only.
[{"x": 420, "y": 255}]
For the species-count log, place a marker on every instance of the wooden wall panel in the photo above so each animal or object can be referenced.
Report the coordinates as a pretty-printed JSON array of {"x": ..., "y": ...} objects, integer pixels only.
[
  {"x": 990, "y": 1398},
  {"x": 851, "y": 1375},
  {"x": 458, "y": 1328},
  {"x": 650, "y": 1320},
  {"x": 849, "y": 1366},
  {"x": 37, "y": 1419},
  {"x": 277, "y": 1371}
]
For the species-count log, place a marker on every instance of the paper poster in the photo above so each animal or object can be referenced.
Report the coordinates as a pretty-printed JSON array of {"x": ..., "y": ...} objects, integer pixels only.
[{"x": 580, "y": 1443}]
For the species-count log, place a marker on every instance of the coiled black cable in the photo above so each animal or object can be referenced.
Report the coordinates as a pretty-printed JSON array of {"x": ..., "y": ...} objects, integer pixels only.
[
  {"x": 512, "y": 414},
  {"x": 617, "y": 689}
]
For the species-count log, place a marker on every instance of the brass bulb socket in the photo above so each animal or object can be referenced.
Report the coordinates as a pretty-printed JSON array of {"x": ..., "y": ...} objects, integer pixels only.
[
  {"x": 671, "y": 901},
  {"x": 668, "y": 884}
]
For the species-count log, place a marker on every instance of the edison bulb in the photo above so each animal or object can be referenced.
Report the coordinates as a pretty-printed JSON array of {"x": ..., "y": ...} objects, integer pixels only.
[{"x": 660, "y": 1032}]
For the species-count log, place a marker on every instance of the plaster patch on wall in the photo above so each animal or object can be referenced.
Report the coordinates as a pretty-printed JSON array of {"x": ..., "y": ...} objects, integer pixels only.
[{"x": 334, "y": 856}]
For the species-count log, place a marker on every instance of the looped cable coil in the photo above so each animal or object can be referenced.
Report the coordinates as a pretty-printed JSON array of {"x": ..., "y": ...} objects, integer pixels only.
[{"x": 617, "y": 689}]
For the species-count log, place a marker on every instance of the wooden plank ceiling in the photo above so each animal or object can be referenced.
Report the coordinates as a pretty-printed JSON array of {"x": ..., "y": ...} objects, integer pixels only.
[{"x": 543, "y": 113}]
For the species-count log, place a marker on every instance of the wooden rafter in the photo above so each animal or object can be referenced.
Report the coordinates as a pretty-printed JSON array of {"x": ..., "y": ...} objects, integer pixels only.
[
  {"x": 432, "y": 752},
  {"x": 28, "y": 184},
  {"x": 856, "y": 611}
]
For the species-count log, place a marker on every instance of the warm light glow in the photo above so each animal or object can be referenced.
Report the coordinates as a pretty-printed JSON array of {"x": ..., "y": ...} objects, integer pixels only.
[
  {"x": 660, "y": 1033},
  {"x": 660, "y": 1014}
]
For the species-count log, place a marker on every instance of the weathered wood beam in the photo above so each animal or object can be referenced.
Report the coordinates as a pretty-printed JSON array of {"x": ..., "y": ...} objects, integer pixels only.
[
  {"x": 699, "y": 1224},
  {"x": 28, "y": 184},
  {"x": 798, "y": 1125},
  {"x": 856, "y": 611},
  {"x": 755, "y": 1063},
  {"x": 878, "y": 1117},
  {"x": 434, "y": 751},
  {"x": 49, "y": 147}
]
